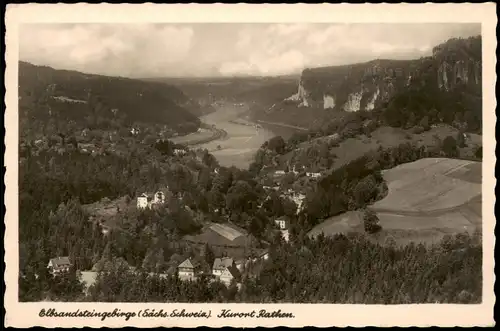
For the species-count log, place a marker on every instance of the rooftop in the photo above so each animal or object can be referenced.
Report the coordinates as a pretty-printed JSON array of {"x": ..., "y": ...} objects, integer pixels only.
[
  {"x": 221, "y": 263},
  {"x": 60, "y": 261}
]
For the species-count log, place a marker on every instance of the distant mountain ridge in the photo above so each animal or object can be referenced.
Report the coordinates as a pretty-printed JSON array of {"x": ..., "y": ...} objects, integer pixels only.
[{"x": 46, "y": 93}]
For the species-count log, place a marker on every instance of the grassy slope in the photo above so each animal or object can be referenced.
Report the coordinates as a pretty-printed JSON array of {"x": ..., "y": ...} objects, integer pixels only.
[{"x": 454, "y": 212}]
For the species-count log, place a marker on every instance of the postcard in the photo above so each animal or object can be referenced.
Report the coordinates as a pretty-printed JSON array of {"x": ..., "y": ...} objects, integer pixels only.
[{"x": 249, "y": 165}]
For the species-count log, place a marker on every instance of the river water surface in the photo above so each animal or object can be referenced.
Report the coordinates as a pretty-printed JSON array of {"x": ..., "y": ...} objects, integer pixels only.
[{"x": 242, "y": 141}]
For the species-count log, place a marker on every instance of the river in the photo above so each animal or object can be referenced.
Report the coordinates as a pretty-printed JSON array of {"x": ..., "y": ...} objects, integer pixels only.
[{"x": 242, "y": 141}]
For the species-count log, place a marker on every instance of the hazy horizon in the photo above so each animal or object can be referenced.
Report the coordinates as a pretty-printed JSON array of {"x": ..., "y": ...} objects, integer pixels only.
[{"x": 225, "y": 50}]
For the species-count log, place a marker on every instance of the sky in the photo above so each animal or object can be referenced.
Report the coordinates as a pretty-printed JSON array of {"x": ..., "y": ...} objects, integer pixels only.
[{"x": 225, "y": 49}]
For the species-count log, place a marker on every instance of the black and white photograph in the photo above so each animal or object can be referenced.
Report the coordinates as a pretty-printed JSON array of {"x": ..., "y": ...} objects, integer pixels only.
[{"x": 250, "y": 163}]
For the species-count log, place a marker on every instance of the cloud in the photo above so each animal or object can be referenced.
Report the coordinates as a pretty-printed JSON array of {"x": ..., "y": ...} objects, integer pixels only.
[
  {"x": 113, "y": 49},
  {"x": 226, "y": 49}
]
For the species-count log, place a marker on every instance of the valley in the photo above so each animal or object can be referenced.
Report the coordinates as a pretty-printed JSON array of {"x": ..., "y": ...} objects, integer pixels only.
[
  {"x": 230, "y": 137},
  {"x": 253, "y": 189}
]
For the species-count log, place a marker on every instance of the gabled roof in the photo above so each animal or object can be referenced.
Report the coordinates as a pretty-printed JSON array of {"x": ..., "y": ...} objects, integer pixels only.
[
  {"x": 221, "y": 263},
  {"x": 263, "y": 252},
  {"x": 233, "y": 271},
  {"x": 188, "y": 263},
  {"x": 60, "y": 261}
]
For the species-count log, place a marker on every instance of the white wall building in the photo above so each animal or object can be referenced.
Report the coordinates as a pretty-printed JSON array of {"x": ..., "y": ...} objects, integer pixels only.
[
  {"x": 281, "y": 223},
  {"x": 220, "y": 264},
  {"x": 148, "y": 201},
  {"x": 188, "y": 270}
]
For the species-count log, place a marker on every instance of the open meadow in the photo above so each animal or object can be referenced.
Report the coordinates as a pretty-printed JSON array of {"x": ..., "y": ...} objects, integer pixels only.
[{"x": 427, "y": 200}]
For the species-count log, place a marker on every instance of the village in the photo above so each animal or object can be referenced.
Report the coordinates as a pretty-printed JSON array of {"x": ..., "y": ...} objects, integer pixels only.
[{"x": 236, "y": 252}]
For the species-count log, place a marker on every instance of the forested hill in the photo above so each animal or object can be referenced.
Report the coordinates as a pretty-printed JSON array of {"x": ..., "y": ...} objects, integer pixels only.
[
  {"x": 46, "y": 93},
  {"x": 441, "y": 86}
]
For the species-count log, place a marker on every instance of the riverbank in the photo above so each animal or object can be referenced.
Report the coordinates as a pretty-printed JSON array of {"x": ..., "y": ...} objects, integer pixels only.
[
  {"x": 231, "y": 137},
  {"x": 201, "y": 137}
]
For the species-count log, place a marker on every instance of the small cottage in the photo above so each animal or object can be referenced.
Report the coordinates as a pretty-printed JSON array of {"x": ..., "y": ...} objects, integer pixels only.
[
  {"x": 188, "y": 270},
  {"x": 147, "y": 201},
  {"x": 229, "y": 274},
  {"x": 59, "y": 265},
  {"x": 264, "y": 255},
  {"x": 282, "y": 223},
  {"x": 220, "y": 264}
]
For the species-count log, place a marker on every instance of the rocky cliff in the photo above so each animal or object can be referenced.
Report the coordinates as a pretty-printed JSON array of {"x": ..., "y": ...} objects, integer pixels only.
[
  {"x": 453, "y": 64},
  {"x": 353, "y": 87},
  {"x": 459, "y": 63}
]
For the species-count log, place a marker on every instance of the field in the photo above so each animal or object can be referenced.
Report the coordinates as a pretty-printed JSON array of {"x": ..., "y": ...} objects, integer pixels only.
[
  {"x": 427, "y": 200},
  {"x": 431, "y": 184}
]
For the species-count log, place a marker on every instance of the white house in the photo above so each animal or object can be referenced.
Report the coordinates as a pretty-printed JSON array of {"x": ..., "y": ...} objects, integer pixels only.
[
  {"x": 282, "y": 223},
  {"x": 143, "y": 201},
  {"x": 188, "y": 270},
  {"x": 148, "y": 201},
  {"x": 229, "y": 274},
  {"x": 279, "y": 172},
  {"x": 313, "y": 174},
  {"x": 264, "y": 255},
  {"x": 178, "y": 151},
  {"x": 285, "y": 234},
  {"x": 59, "y": 265},
  {"x": 220, "y": 264},
  {"x": 298, "y": 199}
]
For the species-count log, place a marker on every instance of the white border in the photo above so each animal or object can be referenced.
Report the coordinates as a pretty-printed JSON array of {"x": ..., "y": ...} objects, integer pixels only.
[{"x": 26, "y": 314}]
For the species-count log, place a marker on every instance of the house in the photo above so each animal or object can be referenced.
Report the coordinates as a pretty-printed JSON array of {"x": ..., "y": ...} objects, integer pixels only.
[
  {"x": 298, "y": 199},
  {"x": 188, "y": 270},
  {"x": 179, "y": 151},
  {"x": 279, "y": 172},
  {"x": 282, "y": 223},
  {"x": 264, "y": 254},
  {"x": 313, "y": 174},
  {"x": 220, "y": 264},
  {"x": 148, "y": 201},
  {"x": 59, "y": 265},
  {"x": 229, "y": 274},
  {"x": 143, "y": 201},
  {"x": 105, "y": 229}
]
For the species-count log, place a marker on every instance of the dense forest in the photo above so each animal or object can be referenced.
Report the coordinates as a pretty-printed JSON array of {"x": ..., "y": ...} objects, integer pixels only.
[
  {"x": 59, "y": 95},
  {"x": 342, "y": 269}
]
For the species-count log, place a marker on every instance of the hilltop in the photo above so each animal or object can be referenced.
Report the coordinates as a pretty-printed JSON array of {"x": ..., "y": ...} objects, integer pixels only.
[{"x": 48, "y": 94}]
